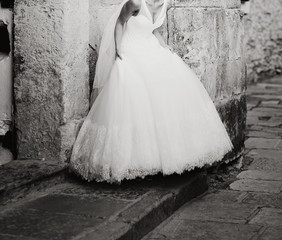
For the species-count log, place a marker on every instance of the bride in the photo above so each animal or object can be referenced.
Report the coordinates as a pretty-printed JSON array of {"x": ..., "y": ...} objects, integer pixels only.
[{"x": 152, "y": 113}]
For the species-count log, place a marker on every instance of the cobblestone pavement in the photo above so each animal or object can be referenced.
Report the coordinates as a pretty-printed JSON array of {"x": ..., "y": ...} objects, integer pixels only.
[{"x": 250, "y": 207}]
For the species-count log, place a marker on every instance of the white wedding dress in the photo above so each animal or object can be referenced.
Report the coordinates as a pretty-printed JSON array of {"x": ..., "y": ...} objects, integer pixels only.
[{"x": 153, "y": 115}]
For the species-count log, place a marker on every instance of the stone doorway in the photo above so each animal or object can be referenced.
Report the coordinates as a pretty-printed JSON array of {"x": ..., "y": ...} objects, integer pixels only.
[
  {"x": 6, "y": 76},
  {"x": 51, "y": 82},
  {"x": 55, "y": 51}
]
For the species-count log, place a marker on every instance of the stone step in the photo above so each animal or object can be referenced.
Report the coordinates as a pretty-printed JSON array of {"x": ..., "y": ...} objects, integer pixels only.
[
  {"x": 20, "y": 177},
  {"x": 80, "y": 210},
  {"x": 261, "y": 175},
  {"x": 250, "y": 185},
  {"x": 152, "y": 209}
]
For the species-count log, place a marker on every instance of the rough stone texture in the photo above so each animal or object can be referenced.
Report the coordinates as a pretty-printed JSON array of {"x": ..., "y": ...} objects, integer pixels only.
[
  {"x": 210, "y": 42},
  {"x": 233, "y": 114},
  {"x": 264, "y": 199},
  {"x": 213, "y": 211},
  {"x": 78, "y": 205},
  {"x": 195, "y": 230},
  {"x": 268, "y": 216},
  {"x": 224, "y": 196},
  {"x": 161, "y": 200},
  {"x": 259, "y": 134},
  {"x": 257, "y": 186},
  {"x": 262, "y": 143},
  {"x": 207, "y": 34},
  {"x": 89, "y": 210},
  {"x": 51, "y": 75},
  {"x": 218, "y": 215},
  {"x": 263, "y": 34},
  {"x": 207, "y": 3},
  {"x": 260, "y": 175},
  {"x": 267, "y": 160},
  {"x": 45, "y": 224},
  {"x": 18, "y": 177},
  {"x": 273, "y": 233}
]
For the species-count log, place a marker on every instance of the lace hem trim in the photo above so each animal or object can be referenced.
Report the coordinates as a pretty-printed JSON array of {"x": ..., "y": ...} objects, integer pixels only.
[{"x": 104, "y": 173}]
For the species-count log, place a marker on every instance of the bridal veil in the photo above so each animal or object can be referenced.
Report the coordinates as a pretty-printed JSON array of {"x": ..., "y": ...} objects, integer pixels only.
[{"x": 107, "y": 50}]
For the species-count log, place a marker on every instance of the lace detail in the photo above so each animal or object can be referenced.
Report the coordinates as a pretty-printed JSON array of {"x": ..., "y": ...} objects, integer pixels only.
[
  {"x": 103, "y": 173},
  {"x": 94, "y": 158}
]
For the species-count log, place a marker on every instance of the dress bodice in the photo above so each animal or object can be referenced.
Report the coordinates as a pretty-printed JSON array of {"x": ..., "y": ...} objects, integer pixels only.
[
  {"x": 144, "y": 20},
  {"x": 138, "y": 29}
]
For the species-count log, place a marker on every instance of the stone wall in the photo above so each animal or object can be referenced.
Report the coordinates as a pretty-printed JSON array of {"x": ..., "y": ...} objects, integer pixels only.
[
  {"x": 208, "y": 35},
  {"x": 51, "y": 75},
  {"x": 52, "y": 42},
  {"x": 263, "y": 37}
]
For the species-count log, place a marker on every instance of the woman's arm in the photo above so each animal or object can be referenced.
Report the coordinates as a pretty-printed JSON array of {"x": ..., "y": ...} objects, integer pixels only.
[
  {"x": 118, "y": 36},
  {"x": 129, "y": 9}
]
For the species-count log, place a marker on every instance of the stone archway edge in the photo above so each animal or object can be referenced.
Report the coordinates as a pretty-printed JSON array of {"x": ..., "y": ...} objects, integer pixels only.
[{"x": 51, "y": 76}]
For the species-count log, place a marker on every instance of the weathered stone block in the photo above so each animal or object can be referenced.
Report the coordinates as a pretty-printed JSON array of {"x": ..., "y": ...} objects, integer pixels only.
[
  {"x": 207, "y": 3},
  {"x": 51, "y": 75},
  {"x": 193, "y": 230},
  {"x": 268, "y": 216},
  {"x": 266, "y": 160},
  {"x": 216, "y": 211},
  {"x": 210, "y": 42},
  {"x": 224, "y": 196},
  {"x": 260, "y": 175},
  {"x": 262, "y": 143},
  {"x": 257, "y": 186},
  {"x": 273, "y": 233},
  {"x": 260, "y": 134},
  {"x": 77, "y": 205},
  {"x": 263, "y": 33},
  {"x": 36, "y": 224},
  {"x": 233, "y": 114},
  {"x": 264, "y": 199}
]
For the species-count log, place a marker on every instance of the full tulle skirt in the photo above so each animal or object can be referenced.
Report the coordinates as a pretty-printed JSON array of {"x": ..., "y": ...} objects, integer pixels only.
[{"x": 153, "y": 115}]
